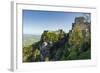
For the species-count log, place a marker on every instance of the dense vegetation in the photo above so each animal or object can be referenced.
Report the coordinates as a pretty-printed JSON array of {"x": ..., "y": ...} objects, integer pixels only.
[{"x": 59, "y": 45}]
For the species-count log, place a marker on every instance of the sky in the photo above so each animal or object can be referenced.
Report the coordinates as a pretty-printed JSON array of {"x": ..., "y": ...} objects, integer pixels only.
[{"x": 35, "y": 22}]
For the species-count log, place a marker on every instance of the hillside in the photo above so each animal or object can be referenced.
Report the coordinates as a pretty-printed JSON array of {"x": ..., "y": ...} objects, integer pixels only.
[{"x": 59, "y": 45}]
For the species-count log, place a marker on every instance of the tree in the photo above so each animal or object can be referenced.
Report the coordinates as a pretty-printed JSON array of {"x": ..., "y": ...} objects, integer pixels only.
[
  {"x": 76, "y": 37},
  {"x": 49, "y": 36},
  {"x": 36, "y": 52},
  {"x": 27, "y": 52},
  {"x": 72, "y": 55}
]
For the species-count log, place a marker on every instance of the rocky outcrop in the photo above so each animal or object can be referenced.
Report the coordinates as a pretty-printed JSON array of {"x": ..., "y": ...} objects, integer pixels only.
[{"x": 58, "y": 45}]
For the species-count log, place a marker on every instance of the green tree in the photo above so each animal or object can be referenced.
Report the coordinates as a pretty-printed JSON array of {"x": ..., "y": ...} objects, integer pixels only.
[
  {"x": 27, "y": 51},
  {"x": 36, "y": 53},
  {"x": 49, "y": 36},
  {"x": 76, "y": 37}
]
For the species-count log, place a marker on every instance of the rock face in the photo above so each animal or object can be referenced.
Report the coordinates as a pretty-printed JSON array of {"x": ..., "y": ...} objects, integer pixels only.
[
  {"x": 51, "y": 41},
  {"x": 58, "y": 45},
  {"x": 84, "y": 26}
]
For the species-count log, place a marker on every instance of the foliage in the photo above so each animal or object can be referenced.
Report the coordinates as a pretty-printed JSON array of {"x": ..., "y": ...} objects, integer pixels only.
[
  {"x": 85, "y": 55},
  {"x": 27, "y": 51},
  {"x": 49, "y": 36},
  {"x": 58, "y": 45},
  {"x": 72, "y": 56},
  {"x": 52, "y": 36},
  {"x": 76, "y": 37},
  {"x": 36, "y": 53}
]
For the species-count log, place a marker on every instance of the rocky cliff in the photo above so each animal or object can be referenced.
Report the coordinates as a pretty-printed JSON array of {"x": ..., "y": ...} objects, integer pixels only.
[{"x": 58, "y": 45}]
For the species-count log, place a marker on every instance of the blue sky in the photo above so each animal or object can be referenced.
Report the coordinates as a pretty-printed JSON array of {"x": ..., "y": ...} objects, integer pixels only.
[{"x": 35, "y": 22}]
